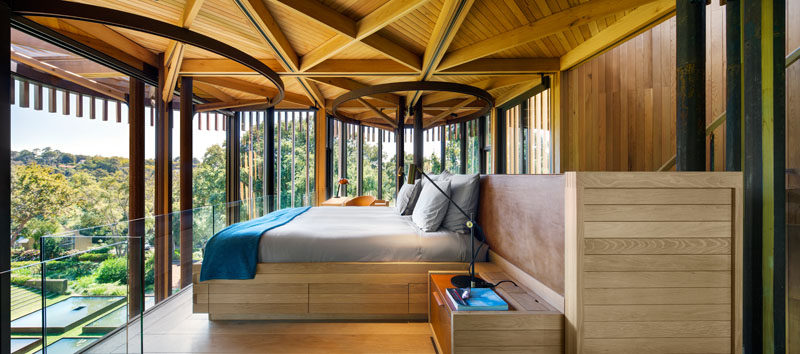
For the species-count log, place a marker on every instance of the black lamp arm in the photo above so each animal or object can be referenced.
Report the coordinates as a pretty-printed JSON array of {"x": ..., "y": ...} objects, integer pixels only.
[{"x": 412, "y": 174}]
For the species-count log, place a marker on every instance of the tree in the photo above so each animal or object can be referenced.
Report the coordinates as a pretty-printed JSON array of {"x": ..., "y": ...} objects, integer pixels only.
[{"x": 36, "y": 192}]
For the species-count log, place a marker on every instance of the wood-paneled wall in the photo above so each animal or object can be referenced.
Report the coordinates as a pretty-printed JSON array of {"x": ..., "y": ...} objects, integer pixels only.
[
  {"x": 618, "y": 109},
  {"x": 653, "y": 262},
  {"x": 793, "y": 178}
]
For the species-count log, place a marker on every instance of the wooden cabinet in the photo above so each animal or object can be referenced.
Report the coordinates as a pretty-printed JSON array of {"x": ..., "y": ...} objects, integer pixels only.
[{"x": 530, "y": 325}]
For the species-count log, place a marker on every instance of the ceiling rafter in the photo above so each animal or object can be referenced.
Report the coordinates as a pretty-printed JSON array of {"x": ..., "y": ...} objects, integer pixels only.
[
  {"x": 173, "y": 57},
  {"x": 516, "y": 91},
  {"x": 365, "y": 30},
  {"x": 254, "y": 89},
  {"x": 486, "y": 84},
  {"x": 557, "y": 22},
  {"x": 108, "y": 35},
  {"x": 380, "y": 113},
  {"x": 350, "y": 84},
  {"x": 213, "y": 90},
  {"x": 448, "y": 112},
  {"x": 205, "y": 107}
]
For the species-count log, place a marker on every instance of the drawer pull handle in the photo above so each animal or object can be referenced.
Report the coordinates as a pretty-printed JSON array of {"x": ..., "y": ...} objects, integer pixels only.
[{"x": 437, "y": 298}]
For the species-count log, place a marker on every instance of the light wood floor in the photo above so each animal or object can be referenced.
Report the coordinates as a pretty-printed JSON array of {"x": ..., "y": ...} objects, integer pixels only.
[{"x": 180, "y": 331}]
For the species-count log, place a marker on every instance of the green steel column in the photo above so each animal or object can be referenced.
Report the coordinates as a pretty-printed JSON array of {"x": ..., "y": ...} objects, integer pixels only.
[
  {"x": 733, "y": 75},
  {"x": 691, "y": 92}
]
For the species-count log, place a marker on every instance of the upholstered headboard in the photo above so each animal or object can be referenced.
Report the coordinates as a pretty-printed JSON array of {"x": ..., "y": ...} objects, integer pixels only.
[{"x": 523, "y": 218}]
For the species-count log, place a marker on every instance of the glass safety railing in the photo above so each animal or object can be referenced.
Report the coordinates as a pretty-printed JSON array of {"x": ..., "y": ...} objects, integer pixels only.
[{"x": 94, "y": 290}]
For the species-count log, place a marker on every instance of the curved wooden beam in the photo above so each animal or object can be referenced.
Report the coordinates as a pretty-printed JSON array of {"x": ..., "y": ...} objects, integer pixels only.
[{"x": 98, "y": 14}]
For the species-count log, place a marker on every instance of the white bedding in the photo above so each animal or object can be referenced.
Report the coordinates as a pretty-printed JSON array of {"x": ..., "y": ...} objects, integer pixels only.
[{"x": 360, "y": 234}]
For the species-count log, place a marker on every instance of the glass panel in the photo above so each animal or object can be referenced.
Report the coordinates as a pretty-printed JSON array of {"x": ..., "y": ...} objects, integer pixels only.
[
  {"x": 370, "y": 172},
  {"x": 389, "y": 161}
]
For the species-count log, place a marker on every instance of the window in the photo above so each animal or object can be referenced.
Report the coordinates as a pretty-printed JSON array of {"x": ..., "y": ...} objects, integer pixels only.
[{"x": 528, "y": 136}]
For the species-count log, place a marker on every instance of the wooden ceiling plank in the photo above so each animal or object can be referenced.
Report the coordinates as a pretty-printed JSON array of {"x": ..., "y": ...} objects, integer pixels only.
[
  {"x": 114, "y": 38},
  {"x": 640, "y": 19},
  {"x": 254, "y": 89},
  {"x": 313, "y": 91},
  {"x": 191, "y": 9},
  {"x": 380, "y": 113},
  {"x": 486, "y": 84},
  {"x": 570, "y": 18},
  {"x": 214, "y": 91},
  {"x": 69, "y": 76},
  {"x": 223, "y": 67},
  {"x": 393, "y": 51}
]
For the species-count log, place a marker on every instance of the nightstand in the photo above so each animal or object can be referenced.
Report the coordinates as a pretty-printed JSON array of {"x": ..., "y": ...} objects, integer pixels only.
[{"x": 530, "y": 324}]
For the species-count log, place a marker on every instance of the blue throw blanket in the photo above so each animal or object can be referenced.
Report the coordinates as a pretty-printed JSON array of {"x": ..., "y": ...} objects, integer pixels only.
[{"x": 233, "y": 252}]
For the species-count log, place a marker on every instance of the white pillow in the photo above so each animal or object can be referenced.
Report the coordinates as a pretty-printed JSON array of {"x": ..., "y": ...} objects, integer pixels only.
[
  {"x": 442, "y": 176},
  {"x": 407, "y": 198},
  {"x": 431, "y": 206},
  {"x": 464, "y": 190}
]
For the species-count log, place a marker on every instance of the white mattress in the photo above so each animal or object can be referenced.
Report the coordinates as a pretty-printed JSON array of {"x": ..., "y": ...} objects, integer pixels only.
[{"x": 360, "y": 234}]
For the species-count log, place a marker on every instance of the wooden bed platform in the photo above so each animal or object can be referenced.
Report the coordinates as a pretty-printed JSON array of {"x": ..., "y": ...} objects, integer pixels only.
[{"x": 322, "y": 291}]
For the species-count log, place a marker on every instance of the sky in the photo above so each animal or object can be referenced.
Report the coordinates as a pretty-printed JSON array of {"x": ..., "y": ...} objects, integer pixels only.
[{"x": 32, "y": 129}]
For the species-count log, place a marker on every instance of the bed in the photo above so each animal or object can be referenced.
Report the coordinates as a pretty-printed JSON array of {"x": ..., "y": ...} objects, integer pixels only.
[{"x": 360, "y": 263}]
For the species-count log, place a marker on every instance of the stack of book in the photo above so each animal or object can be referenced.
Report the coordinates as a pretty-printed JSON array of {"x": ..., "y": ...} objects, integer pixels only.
[{"x": 476, "y": 299}]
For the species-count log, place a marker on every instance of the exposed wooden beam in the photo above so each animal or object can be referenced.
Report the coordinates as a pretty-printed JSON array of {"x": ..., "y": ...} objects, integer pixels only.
[
  {"x": 69, "y": 76},
  {"x": 516, "y": 91},
  {"x": 322, "y": 15},
  {"x": 172, "y": 61},
  {"x": 213, "y": 90},
  {"x": 350, "y": 84},
  {"x": 635, "y": 22},
  {"x": 252, "y": 88},
  {"x": 223, "y": 67},
  {"x": 500, "y": 66},
  {"x": 447, "y": 24},
  {"x": 190, "y": 11},
  {"x": 265, "y": 23},
  {"x": 380, "y": 113},
  {"x": 313, "y": 92},
  {"x": 486, "y": 84},
  {"x": 366, "y": 29},
  {"x": 330, "y": 67},
  {"x": 114, "y": 38},
  {"x": 448, "y": 112},
  {"x": 557, "y": 22},
  {"x": 205, "y": 107}
]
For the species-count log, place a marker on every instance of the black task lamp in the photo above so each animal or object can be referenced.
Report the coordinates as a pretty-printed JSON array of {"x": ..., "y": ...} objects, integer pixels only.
[{"x": 459, "y": 281}]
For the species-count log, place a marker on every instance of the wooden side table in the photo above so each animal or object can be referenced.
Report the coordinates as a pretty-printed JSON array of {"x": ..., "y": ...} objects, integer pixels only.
[
  {"x": 530, "y": 324},
  {"x": 336, "y": 201}
]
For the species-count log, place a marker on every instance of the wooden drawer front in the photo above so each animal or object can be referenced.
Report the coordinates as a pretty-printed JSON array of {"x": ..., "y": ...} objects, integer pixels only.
[
  {"x": 418, "y": 298},
  {"x": 361, "y": 298},
  {"x": 440, "y": 321},
  {"x": 253, "y": 298}
]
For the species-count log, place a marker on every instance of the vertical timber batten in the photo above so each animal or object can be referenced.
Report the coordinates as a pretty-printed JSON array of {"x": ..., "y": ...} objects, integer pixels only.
[
  {"x": 462, "y": 127},
  {"x": 321, "y": 156},
  {"x": 186, "y": 232},
  {"x": 418, "y": 138},
  {"x": 233, "y": 168},
  {"x": 269, "y": 160},
  {"x": 399, "y": 138},
  {"x": 691, "y": 99},
  {"x": 136, "y": 196},
  {"x": 5, "y": 177},
  {"x": 163, "y": 197},
  {"x": 733, "y": 77}
]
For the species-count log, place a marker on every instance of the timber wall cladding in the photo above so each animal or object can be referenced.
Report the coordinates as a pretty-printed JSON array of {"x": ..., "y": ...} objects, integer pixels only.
[
  {"x": 619, "y": 107},
  {"x": 653, "y": 262},
  {"x": 793, "y": 179}
]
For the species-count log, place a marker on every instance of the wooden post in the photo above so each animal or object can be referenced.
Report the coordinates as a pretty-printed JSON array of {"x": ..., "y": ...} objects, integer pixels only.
[
  {"x": 482, "y": 144},
  {"x": 399, "y": 140},
  {"x": 5, "y": 177},
  {"x": 418, "y": 131},
  {"x": 163, "y": 200},
  {"x": 360, "y": 160},
  {"x": 462, "y": 127},
  {"x": 499, "y": 140},
  {"x": 380, "y": 164},
  {"x": 764, "y": 82},
  {"x": 232, "y": 168},
  {"x": 691, "y": 93},
  {"x": 187, "y": 234},
  {"x": 269, "y": 159},
  {"x": 322, "y": 156},
  {"x": 136, "y": 197},
  {"x": 733, "y": 77}
]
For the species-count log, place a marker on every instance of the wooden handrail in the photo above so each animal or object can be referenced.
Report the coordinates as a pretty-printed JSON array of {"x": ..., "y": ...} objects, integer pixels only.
[{"x": 790, "y": 59}]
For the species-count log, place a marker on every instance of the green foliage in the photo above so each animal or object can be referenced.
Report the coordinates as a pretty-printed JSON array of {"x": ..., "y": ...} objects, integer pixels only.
[
  {"x": 69, "y": 269},
  {"x": 93, "y": 257},
  {"x": 113, "y": 270},
  {"x": 27, "y": 255},
  {"x": 20, "y": 280},
  {"x": 37, "y": 192},
  {"x": 88, "y": 285}
]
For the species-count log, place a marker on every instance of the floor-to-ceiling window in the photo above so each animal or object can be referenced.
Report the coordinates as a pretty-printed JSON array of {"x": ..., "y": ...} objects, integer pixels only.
[
  {"x": 529, "y": 136},
  {"x": 294, "y": 137}
]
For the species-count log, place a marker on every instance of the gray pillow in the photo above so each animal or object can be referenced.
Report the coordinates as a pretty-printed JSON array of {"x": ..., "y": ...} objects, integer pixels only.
[
  {"x": 406, "y": 198},
  {"x": 464, "y": 190},
  {"x": 442, "y": 176},
  {"x": 431, "y": 206}
]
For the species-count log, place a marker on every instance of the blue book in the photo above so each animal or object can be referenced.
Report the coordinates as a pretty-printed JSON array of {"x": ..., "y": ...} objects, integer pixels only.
[{"x": 480, "y": 299}]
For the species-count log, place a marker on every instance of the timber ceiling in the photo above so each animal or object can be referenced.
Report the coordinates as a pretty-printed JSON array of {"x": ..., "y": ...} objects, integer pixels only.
[{"x": 324, "y": 48}]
